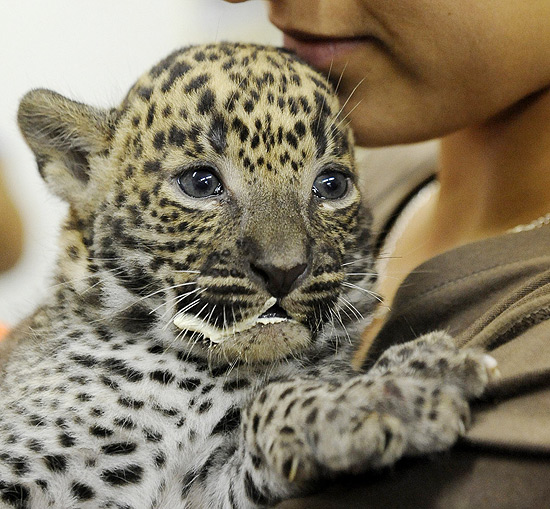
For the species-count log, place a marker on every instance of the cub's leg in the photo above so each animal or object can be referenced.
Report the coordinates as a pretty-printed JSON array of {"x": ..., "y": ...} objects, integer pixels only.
[{"x": 414, "y": 400}]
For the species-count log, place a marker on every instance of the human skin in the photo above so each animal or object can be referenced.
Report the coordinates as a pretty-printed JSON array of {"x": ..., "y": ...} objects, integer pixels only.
[
  {"x": 474, "y": 73},
  {"x": 430, "y": 67}
]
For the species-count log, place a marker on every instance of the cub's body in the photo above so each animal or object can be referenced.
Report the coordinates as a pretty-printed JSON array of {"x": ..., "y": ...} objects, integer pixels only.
[{"x": 194, "y": 348}]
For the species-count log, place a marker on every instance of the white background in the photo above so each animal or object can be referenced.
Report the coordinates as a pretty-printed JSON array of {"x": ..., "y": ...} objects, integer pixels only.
[{"x": 91, "y": 51}]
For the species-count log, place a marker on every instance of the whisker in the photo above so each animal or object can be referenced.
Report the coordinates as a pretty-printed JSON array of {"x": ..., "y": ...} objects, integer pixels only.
[
  {"x": 341, "y": 76},
  {"x": 361, "y": 274},
  {"x": 180, "y": 285},
  {"x": 353, "y": 309},
  {"x": 353, "y": 262},
  {"x": 175, "y": 300},
  {"x": 368, "y": 292},
  {"x": 349, "y": 113},
  {"x": 348, "y": 99},
  {"x": 341, "y": 321},
  {"x": 114, "y": 271},
  {"x": 186, "y": 308}
]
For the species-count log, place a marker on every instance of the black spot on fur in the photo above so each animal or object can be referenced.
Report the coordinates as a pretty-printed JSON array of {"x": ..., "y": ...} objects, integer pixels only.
[
  {"x": 124, "y": 422},
  {"x": 135, "y": 319},
  {"x": 256, "y": 461},
  {"x": 206, "y": 102},
  {"x": 19, "y": 465},
  {"x": 160, "y": 460},
  {"x": 109, "y": 382},
  {"x": 82, "y": 491},
  {"x": 131, "y": 474},
  {"x": 56, "y": 463},
  {"x": 119, "y": 367},
  {"x": 151, "y": 166},
  {"x": 87, "y": 361},
  {"x": 418, "y": 365},
  {"x": 205, "y": 406},
  {"x": 229, "y": 422},
  {"x": 241, "y": 128},
  {"x": 197, "y": 83},
  {"x": 163, "y": 377},
  {"x": 312, "y": 416},
  {"x": 159, "y": 140},
  {"x": 151, "y": 115},
  {"x": 237, "y": 384},
  {"x": 300, "y": 129},
  {"x": 249, "y": 106},
  {"x": 144, "y": 198},
  {"x": 156, "y": 349},
  {"x": 178, "y": 70},
  {"x": 119, "y": 448},
  {"x": 37, "y": 420},
  {"x": 255, "y": 423},
  {"x": 176, "y": 136},
  {"x": 66, "y": 439},
  {"x": 152, "y": 436},
  {"x": 292, "y": 140},
  {"x": 189, "y": 384},
  {"x": 217, "y": 135},
  {"x": 35, "y": 445},
  {"x": 290, "y": 406},
  {"x": 130, "y": 403},
  {"x": 16, "y": 495},
  {"x": 100, "y": 431}
]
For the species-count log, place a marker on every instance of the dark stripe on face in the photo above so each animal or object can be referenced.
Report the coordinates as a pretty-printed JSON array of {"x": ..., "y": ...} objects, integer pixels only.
[{"x": 217, "y": 135}]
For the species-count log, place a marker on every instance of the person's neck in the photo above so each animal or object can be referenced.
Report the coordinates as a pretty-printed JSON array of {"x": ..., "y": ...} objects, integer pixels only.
[{"x": 494, "y": 176}]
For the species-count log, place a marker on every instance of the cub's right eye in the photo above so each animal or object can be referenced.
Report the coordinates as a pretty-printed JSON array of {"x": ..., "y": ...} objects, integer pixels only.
[{"x": 200, "y": 182}]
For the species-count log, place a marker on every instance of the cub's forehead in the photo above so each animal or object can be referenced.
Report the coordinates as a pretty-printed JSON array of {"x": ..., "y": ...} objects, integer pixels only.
[
  {"x": 231, "y": 74},
  {"x": 233, "y": 100}
]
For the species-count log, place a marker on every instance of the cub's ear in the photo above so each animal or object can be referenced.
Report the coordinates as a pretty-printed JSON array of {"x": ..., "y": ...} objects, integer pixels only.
[{"x": 64, "y": 136}]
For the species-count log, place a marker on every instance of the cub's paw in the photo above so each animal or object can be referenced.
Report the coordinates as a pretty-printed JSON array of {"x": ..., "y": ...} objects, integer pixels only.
[
  {"x": 436, "y": 356},
  {"x": 306, "y": 430}
]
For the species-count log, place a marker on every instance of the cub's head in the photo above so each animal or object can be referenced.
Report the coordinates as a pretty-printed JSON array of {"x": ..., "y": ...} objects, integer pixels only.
[{"x": 218, "y": 204}]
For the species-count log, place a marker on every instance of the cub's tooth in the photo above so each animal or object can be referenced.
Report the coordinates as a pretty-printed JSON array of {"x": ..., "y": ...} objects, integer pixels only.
[{"x": 269, "y": 303}]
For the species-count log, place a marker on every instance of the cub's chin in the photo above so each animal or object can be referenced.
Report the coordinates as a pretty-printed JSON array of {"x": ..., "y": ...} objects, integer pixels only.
[
  {"x": 267, "y": 342},
  {"x": 266, "y": 338}
]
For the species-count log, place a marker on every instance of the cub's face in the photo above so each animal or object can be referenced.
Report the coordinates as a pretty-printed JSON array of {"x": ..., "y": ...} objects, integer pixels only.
[{"x": 218, "y": 204}]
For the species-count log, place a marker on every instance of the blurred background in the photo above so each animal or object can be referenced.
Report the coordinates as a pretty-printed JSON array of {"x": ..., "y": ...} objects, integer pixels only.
[{"x": 91, "y": 51}]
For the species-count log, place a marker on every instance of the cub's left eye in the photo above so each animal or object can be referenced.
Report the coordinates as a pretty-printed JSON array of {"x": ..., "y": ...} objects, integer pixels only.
[
  {"x": 331, "y": 185},
  {"x": 200, "y": 182}
]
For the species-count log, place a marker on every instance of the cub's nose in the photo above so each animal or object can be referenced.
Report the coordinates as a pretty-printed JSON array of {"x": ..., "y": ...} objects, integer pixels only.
[{"x": 277, "y": 280}]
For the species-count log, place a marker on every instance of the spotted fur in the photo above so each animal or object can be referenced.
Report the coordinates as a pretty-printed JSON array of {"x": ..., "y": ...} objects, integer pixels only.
[{"x": 146, "y": 378}]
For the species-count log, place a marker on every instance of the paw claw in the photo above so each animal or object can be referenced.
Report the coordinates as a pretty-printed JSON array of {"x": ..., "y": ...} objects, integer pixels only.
[
  {"x": 293, "y": 469},
  {"x": 461, "y": 428},
  {"x": 491, "y": 365}
]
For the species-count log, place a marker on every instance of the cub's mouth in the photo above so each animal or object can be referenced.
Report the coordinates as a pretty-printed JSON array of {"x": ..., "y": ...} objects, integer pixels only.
[
  {"x": 272, "y": 334},
  {"x": 271, "y": 313},
  {"x": 275, "y": 314}
]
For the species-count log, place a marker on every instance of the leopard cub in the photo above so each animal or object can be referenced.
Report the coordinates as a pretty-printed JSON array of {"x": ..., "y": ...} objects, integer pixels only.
[{"x": 194, "y": 347}]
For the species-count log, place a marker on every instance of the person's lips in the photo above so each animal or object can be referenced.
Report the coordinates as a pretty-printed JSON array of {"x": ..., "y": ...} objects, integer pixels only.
[{"x": 321, "y": 53}]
